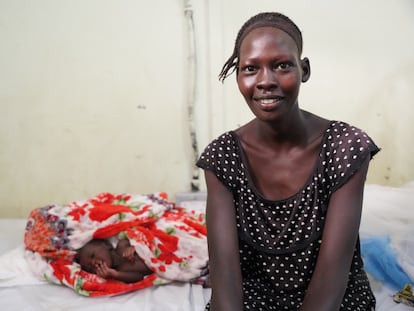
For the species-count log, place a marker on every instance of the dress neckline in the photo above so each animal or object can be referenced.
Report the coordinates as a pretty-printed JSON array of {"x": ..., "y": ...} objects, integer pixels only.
[{"x": 308, "y": 180}]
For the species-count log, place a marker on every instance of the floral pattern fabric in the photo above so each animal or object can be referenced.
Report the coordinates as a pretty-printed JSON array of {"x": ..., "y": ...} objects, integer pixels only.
[{"x": 171, "y": 240}]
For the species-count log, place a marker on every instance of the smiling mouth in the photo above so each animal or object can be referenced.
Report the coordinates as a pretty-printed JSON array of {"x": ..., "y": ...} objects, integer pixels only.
[{"x": 269, "y": 103}]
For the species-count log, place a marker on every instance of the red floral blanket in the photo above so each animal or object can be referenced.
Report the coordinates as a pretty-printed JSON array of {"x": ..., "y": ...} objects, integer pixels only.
[{"x": 171, "y": 240}]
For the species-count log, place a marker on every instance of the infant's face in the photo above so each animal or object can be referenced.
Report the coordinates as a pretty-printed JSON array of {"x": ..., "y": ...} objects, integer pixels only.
[{"x": 92, "y": 254}]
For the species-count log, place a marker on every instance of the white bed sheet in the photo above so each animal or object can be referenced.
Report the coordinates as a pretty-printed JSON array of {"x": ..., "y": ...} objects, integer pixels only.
[
  {"x": 387, "y": 210},
  {"x": 52, "y": 297}
]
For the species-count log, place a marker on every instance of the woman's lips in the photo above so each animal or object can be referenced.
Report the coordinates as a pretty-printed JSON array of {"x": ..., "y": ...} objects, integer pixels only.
[{"x": 269, "y": 102}]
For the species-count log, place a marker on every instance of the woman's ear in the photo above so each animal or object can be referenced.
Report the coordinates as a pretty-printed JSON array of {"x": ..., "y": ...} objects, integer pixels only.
[{"x": 306, "y": 71}]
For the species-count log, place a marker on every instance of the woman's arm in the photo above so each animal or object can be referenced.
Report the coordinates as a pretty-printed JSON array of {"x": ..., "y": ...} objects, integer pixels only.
[
  {"x": 223, "y": 246},
  {"x": 329, "y": 280}
]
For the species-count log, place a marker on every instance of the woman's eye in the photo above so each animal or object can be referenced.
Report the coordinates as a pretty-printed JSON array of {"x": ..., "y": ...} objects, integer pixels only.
[
  {"x": 283, "y": 66},
  {"x": 248, "y": 68}
]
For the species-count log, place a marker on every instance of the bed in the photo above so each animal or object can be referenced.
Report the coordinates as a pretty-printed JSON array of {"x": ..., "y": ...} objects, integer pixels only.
[{"x": 387, "y": 218}]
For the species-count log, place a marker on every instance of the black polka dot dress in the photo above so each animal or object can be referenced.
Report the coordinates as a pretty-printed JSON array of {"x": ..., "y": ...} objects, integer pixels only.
[{"x": 279, "y": 240}]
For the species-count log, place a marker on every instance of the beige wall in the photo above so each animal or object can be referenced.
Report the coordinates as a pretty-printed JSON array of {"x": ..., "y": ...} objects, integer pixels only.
[
  {"x": 92, "y": 98},
  {"x": 93, "y": 93}
]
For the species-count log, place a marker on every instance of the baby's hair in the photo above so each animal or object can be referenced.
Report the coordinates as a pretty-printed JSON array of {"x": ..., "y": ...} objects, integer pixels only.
[{"x": 266, "y": 19}]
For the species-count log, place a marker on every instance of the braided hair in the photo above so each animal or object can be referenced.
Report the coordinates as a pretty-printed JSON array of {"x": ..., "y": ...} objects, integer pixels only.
[{"x": 266, "y": 19}]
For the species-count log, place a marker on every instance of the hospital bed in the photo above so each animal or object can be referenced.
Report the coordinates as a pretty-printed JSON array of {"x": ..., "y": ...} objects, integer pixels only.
[{"x": 387, "y": 233}]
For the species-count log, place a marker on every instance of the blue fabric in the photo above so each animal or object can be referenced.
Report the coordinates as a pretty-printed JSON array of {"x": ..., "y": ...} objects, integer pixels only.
[{"x": 380, "y": 260}]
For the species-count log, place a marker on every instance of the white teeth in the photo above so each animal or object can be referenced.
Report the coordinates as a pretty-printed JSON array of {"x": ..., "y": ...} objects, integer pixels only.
[{"x": 267, "y": 101}]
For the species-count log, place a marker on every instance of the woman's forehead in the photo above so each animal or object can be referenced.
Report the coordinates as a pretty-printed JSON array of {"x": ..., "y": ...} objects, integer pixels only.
[
  {"x": 264, "y": 36},
  {"x": 275, "y": 20}
]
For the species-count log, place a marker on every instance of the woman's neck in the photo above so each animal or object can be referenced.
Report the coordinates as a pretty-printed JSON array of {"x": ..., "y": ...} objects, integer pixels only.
[
  {"x": 293, "y": 131},
  {"x": 296, "y": 132}
]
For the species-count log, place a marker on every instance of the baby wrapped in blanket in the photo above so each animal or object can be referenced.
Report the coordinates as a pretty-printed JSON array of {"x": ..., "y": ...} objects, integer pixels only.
[
  {"x": 120, "y": 263},
  {"x": 170, "y": 241}
]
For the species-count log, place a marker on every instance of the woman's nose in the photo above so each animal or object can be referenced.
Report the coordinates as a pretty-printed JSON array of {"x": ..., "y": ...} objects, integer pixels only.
[{"x": 267, "y": 79}]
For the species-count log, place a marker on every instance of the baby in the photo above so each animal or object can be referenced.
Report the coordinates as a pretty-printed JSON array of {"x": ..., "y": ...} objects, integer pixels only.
[{"x": 122, "y": 263}]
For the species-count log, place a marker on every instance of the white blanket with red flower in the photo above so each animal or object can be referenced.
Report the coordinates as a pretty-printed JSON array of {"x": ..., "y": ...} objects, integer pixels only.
[{"x": 170, "y": 239}]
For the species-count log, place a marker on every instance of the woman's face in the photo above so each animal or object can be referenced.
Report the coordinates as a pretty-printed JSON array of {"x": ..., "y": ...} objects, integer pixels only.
[
  {"x": 270, "y": 72},
  {"x": 92, "y": 254}
]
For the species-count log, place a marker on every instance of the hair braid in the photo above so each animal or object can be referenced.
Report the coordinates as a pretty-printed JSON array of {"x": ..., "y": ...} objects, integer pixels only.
[{"x": 266, "y": 19}]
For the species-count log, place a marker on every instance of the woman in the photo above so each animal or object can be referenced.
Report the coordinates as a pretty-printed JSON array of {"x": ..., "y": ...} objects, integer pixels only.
[{"x": 284, "y": 190}]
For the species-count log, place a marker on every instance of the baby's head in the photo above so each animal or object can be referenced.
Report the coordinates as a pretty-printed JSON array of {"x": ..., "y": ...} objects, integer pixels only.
[
  {"x": 266, "y": 19},
  {"x": 93, "y": 252}
]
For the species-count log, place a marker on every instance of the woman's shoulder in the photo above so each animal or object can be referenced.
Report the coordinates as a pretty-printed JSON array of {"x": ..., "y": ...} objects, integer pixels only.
[
  {"x": 344, "y": 150},
  {"x": 338, "y": 127},
  {"x": 346, "y": 133},
  {"x": 348, "y": 142},
  {"x": 224, "y": 140},
  {"x": 220, "y": 149}
]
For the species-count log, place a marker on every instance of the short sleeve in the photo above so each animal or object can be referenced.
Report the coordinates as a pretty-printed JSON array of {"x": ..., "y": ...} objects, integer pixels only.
[
  {"x": 344, "y": 151},
  {"x": 222, "y": 158}
]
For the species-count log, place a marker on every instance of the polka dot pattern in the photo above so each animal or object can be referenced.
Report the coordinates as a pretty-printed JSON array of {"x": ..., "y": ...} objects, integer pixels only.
[{"x": 280, "y": 240}]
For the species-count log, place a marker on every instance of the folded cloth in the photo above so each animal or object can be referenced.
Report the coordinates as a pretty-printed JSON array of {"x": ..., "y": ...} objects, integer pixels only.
[{"x": 170, "y": 240}]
